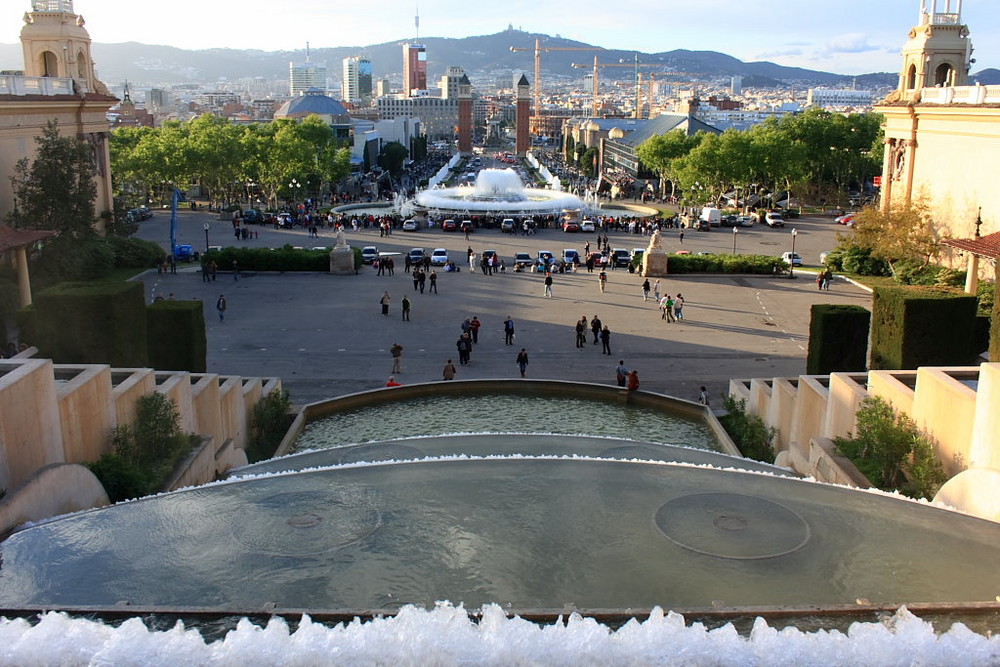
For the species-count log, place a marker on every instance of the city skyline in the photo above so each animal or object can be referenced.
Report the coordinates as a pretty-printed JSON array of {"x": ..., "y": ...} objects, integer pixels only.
[{"x": 845, "y": 37}]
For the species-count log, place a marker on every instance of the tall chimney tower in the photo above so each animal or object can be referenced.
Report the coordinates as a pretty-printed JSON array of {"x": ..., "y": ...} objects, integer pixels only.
[{"x": 522, "y": 141}]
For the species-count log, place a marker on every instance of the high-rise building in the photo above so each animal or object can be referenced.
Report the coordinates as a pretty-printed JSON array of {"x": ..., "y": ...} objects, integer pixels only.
[
  {"x": 414, "y": 68},
  {"x": 306, "y": 75},
  {"x": 736, "y": 85},
  {"x": 357, "y": 82},
  {"x": 450, "y": 82}
]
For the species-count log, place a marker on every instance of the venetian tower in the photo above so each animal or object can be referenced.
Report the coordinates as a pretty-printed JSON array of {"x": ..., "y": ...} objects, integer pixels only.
[
  {"x": 522, "y": 138},
  {"x": 464, "y": 116},
  {"x": 56, "y": 44},
  {"x": 938, "y": 52}
]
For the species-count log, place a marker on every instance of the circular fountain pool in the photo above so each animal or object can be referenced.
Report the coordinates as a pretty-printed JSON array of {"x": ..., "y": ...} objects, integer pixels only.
[{"x": 497, "y": 192}]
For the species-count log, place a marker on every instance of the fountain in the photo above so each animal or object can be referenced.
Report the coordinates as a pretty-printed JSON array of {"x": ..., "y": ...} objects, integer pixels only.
[{"x": 496, "y": 192}]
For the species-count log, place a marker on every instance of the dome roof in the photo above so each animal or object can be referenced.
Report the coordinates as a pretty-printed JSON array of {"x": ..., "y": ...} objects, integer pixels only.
[
  {"x": 592, "y": 127},
  {"x": 312, "y": 101},
  {"x": 616, "y": 133}
]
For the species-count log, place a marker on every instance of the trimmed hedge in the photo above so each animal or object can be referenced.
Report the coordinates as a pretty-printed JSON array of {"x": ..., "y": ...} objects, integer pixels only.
[
  {"x": 285, "y": 258},
  {"x": 91, "y": 323},
  {"x": 759, "y": 264},
  {"x": 919, "y": 326},
  {"x": 175, "y": 336},
  {"x": 838, "y": 339}
]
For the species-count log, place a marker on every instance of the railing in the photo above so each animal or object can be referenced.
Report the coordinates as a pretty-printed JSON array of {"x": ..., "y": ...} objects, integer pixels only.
[
  {"x": 40, "y": 85},
  {"x": 961, "y": 95},
  {"x": 945, "y": 19}
]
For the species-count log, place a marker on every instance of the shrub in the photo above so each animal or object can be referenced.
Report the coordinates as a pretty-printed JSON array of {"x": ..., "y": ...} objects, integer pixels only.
[
  {"x": 757, "y": 264},
  {"x": 134, "y": 253},
  {"x": 890, "y": 451},
  {"x": 269, "y": 421},
  {"x": 754, "y": 438},
  {"x": 860, "y": 261}
]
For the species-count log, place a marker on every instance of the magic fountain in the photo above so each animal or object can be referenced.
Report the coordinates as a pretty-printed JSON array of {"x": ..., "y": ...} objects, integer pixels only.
[{"x": 497, "y": 192}]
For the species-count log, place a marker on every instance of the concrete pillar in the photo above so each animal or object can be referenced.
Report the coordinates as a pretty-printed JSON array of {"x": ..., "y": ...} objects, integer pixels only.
[{"x": 23, "y": 280}]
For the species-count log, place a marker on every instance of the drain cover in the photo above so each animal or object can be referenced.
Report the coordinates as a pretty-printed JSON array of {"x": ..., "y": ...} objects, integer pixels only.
[{"x": 730, "y": 525}]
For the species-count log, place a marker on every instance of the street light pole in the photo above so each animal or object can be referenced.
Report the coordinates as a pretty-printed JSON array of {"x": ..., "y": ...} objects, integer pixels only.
[
  {"x": 791, "y": 260},
  {"x": 736, "y": 232}
]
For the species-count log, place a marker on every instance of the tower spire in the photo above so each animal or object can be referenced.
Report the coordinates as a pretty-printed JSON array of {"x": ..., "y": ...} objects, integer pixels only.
[{"x": 416, "y": 22}]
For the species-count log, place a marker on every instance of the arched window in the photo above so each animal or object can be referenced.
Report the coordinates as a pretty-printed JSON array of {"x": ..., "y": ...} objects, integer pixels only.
[
  {"x": 50, "y": 65},
  {"x": 81, "y": 65},
  {"x": 911, "y": 77},
  {"x": 944, "y": 75}
]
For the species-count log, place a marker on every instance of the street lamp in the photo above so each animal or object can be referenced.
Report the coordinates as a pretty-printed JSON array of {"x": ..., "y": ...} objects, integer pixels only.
[
  {"x": 206, "y": 227},
  {"x": 791, "y": 260},
  {"x": 736, "y": 232},
  {"x": 294, "y": 186}
]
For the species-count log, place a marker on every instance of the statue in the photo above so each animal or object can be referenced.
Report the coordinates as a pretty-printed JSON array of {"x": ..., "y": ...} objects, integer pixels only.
[
  {"x": 654, "y": 242},
  {"x": 341, "y": 239}
]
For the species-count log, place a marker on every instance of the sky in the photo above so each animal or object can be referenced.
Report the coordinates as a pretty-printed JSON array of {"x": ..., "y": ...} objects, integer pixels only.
[{"x": 842, "y": 36}]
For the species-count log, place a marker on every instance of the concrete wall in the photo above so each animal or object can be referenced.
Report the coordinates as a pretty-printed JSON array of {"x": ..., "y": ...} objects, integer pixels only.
[
  {"x": 945, "y": 409},
  {"x": 30, "y": 433},
  {"x": 53, "y": 490},
  {"x": 86, "y": 411}
]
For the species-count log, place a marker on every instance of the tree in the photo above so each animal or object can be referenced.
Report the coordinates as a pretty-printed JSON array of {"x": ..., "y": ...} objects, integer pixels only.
[
  {"x": 902, "y": 234},
  {"x": 391, "y": 157},
  {"x": 661, "y": 153},
  {"x": 56, "y": 190}
]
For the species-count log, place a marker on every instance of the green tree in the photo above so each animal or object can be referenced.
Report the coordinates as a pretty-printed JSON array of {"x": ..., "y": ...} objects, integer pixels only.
[
  {"x": 391, "y": 157},
  {"x": 661, "y": 153},
  {"x": 56, "y": 190},
  {"x": 901, "y": 234}
]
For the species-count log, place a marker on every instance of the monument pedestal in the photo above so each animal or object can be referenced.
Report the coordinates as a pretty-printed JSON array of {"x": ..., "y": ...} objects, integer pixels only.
[
  {"x": 342, "y": 261},
  {"x": 654, "y": 264}
]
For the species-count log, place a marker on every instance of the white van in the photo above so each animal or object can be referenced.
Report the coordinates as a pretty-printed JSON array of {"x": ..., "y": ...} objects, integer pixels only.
[{"x": 712, "y": 216}]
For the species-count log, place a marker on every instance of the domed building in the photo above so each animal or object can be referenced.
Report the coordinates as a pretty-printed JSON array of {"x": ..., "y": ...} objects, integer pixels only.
[{"x": 314, "y": 101}]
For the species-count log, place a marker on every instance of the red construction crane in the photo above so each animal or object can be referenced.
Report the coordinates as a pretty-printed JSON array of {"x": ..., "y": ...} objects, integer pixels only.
[{"x": 538, "y": 65}]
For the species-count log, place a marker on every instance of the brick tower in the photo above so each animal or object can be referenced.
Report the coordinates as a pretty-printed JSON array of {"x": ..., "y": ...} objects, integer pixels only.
[
  {"x": 464, "y": 116},
  {"x": 522, "y": 143}
]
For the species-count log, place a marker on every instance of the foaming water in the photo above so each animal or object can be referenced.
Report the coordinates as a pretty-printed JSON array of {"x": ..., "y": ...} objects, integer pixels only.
[
  {"x": 448, "y": 636},
  {"x": 503, "y": 413}
]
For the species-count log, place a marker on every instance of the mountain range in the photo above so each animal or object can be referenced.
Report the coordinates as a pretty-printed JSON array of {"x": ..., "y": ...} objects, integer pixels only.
[{"x": 485, "y": 56}]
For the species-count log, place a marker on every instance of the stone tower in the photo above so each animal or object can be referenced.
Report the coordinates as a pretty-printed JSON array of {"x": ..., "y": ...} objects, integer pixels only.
[
  {"x": 464, "y": 115},
  {"x": 938, "y": 52},
  {"x": 56, "y": 44},
  {"x": 522, "y": 141}
]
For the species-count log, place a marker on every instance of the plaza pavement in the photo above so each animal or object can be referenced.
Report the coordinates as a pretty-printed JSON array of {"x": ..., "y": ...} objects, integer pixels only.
[{"x": 324, "y": 336}]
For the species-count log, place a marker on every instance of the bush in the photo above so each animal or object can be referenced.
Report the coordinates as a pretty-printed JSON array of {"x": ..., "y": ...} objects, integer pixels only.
[
  {"x": 121, "y": 480},
  {"x": 890, "y": 451},
  {"x": 285, "y": 258},
  {"x": 66, "y": 259},
  {"x": 754, "y": 438},
  {"x": 757, "y": 264},
  {"x": 269, "y": 421},
  {"x": 859, "y": 261},
  {"x": 135, "y": 253}
]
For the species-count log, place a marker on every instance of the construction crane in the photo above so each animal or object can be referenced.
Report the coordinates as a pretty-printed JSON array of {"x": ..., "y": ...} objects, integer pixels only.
[
  {"x": 538, "y": 65},
  {"x": 635, "y": 64}
]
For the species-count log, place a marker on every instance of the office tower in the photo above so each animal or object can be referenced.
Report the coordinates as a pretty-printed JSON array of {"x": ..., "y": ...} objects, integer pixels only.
[
  {"x": 357, "y": 82},
  {"x": 414, "y": 68}
]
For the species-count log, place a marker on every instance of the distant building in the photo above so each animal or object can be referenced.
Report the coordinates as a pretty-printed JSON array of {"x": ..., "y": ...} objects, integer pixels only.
[
  {"x": 315, "y": 102},
  {"x": 451, "y": 81},
  {"x": 357, "y": 80},
  {"x": 382, "y": 88},
  {"x": 305, "y": 75},
  {"x": 414, "y": 68},
  {"x": 618, "y": 151},
  {"x": 158, "y": 101},
  {"x": 736, "y": 86},
  {"x": 438, "y": 116},
  {"x": 840, "y": 98}
]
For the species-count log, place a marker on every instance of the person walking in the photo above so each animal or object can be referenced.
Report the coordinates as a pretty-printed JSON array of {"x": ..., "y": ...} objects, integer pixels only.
[
  {"x": 385, "y": 301},
  {"x": 220, "y": 306},
  {"x": 668, "y": 308},
  {"x": 633, "y": 380},
  {"x": 397, "y": 358},
  {"x": 703, "y": 396},
  {"x": 422, "y": 280},
  {"x": 656, "y": 291},
  {"x": 679, "y": 308},
  {"x": 464, "y": 347},
  {"x": 602, "y": 279},
  {"x": 595, "y": 328},
  {"x": 434, "y": 282},
  {"x": 508, "y": 331},
  {"x": 581, "y": 332},
  {"x": 621, "y": 373},
  {"x": 406, "y": 308},
  {"x": 522, "y": 361},
  {"x": 547, "y": 291},
  {"x": 606, "y": 341},
  {"x": 474, "y": 329},
  {"x": 448, "y": 373},
  {"x": 680, "y": 236},
  {"x": 236, "y": 270},
  {"x": 645, "y": 289}
]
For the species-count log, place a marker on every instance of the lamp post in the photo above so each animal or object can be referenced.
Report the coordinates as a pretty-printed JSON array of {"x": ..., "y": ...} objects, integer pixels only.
[
  {"x": 206, "y": 227},
  {"x": 294, "y": 187},
  {"x": 791, "y": 260},
  {"x": 736, "y": 232}
]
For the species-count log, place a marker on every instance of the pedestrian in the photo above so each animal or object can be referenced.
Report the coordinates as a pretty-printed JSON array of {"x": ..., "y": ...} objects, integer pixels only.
[
  {"x": 474, "y": 329},
  {"x": 633, "y": 380},
  {"x": 416, "y": 278},
  {"x": 508, "y": 331},
  {"x": 819, "y": 280},
  {"x": 422, "y": 280},
  {"x": 391, "y": 382},
  {"x": 220, "y": 306},
  {"x": 397, "y": 357},
  {"x": 434, "y": 282},
  {"x": 656, "y": 291},
  {"x": 213, "y": 270},
  {"x": 522, "y": 361},
  {"x": 621, "y": 373},
  {"x": 236, "y": 270},
  {"x": 581, "y": 332},
  {"x": 464, "y": 347},
  {"x": 548, "y": 285},
  {"x": 467, "y": 326},
  {"x": 606, "y": 341},
  {"x": 406, "y": 308},
  {"x": 703, "y": 396},
  {"x": 668, "y": 308},
  {"x": 448, "y": 373},
  {"x": 595, "y": 327},
  {"x": 827, "y": 278},
  {"x": 205, "y": 270},
  {"x": 645, "y": 289},
  {"x": 385, "y": 301},
  {"x": 663, "y": 307},
  {"x": 602, "y": 279},
  {"x": 679, "y": 308},
  {"x": 680, "y": 236}
]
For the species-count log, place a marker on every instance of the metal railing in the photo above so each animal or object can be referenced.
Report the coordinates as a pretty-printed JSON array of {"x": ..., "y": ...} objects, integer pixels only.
[{"x": 40, "y": 85}]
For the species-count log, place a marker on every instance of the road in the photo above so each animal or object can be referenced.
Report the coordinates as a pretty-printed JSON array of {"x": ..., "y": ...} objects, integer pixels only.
[{"x": 324, "y": 335}]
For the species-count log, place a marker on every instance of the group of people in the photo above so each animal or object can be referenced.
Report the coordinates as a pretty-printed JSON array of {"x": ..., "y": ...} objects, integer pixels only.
[
  {"x": 824, "y": 278},
  {"x": 629, "y": 379},
  {"x": 601, "y": 333}
]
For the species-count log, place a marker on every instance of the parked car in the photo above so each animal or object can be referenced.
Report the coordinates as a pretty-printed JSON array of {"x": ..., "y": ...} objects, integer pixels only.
[
  {"x": 507, "y": 226},
  {"x": 491, "y": 253},
  {"x": 145, "y": 213},
  {"x": 588, "y": 226},
  {"x": 284, "y": 220},
  {"x": 711, "y": 215},
  {"x": 416, "y": 255},
  {"x": 637, "y": 254},
  {"x": 597, "y": 258},
  {"x": 792, "y": 258},
  {"x": 545, "y": 259},
  {"x": 571, "y": 226},
  {"x": 845, "y": 219},
  {"x": 774, "y": 219},
  {"x": 571, "y": 256},
  {"x": 449, "y": 226},
  {"x": 744, "y": 221},
  {"x": 522, "y": 259},
  {"x": 439, "y": 257},
  {"x": 467, "y": 227},
  {"x": 368, "y": 254},
  {"x": 730, "y": 220},
  {"x": 253, "y": 216},
  {"x": 184, "y": 252},
  {"x": 410, "y": 225},
  {"x": 621, "y": 257}
]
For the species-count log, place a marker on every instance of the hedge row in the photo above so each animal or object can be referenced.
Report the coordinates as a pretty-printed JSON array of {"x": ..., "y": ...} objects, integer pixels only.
[
  {"x": 919, "y": 326},
  {"x": 760, "y": 264},
  {"x": 285, "y": 258}
]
